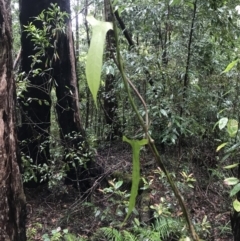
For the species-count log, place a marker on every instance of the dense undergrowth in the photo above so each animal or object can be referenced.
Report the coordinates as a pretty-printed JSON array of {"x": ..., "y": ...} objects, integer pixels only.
[{"x": 59, "y": 213}]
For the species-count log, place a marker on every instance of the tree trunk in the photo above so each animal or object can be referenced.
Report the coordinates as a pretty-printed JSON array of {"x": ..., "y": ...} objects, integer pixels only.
[
  {"x": 35, "y": 104},
  {"x": 235, "y": 216},
  {"x": 12, "y": 199},
  {"x": 63, "y": 72}
]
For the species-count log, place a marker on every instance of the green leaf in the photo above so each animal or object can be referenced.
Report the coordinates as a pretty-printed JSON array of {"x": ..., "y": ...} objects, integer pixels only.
[
  {"x": 236, "y": 205},
  {"x": 231, "y": 181},
  {"x": 232, "y": 127},
  {"x": 136, "y": 146},
  {"x": 235, "y": 190},
  {"x": 164, "y": 112},
  {"x": 231, "y": 166},
  {"x": 118, "y": 184},
  {"x": 222, "y": 123},
  {"x": 230, "y": 66},
  {"x": 95, "y": 54},
  {"x": 221, "y": 146}
]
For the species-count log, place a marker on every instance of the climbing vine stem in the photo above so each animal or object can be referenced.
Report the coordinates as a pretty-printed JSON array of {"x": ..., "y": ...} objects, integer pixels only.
[{"x": 145, "y": 126}]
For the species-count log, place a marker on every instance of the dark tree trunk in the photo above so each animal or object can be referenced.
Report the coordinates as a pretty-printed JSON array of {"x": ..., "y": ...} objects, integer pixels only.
[
  {"x": 36, "y": 125},
  {"x": 35, "y": 104},
  {"x": 12, "y": 199},
  {"x": 235, "y": 217},
  {"x": 68, "y": 111},
  {"x": 110, "y": 98}
]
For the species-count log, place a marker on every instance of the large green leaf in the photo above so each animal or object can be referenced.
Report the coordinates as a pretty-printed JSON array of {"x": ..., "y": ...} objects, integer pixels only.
[
  {"x": 136, "y": 146},
  {"x": 95, "y": 54},
  {"x": 232, "y": 127}
]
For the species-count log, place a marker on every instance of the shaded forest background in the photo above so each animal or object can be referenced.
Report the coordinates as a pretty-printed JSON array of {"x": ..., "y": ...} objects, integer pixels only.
[{"x": 183, "y": 59}]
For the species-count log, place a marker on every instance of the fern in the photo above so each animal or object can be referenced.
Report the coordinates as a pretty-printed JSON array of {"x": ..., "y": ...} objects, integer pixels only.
[
  {"x": 167, "y": 226},
  {"x": 128, "y": 236},
  {"x": 147, "y": 234},
  {"x": 73, "y": 237},
  {"x": 108, "y": 233},
  {"x": 163, "y": 229}
]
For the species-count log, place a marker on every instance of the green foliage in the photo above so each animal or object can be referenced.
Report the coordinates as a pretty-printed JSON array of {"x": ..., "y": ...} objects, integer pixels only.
[
  {"x": 53, "y": 23},
  {"x": 59, "y": 235},
  {"x": 117, "y": 203},
  {"x": 180, "y": 117},
  {"x": 232, "y": 130},
  {"x": 168, "y": 226},
  {"x": 163, "y": 229},
  {"x": 32, "y": 231}
]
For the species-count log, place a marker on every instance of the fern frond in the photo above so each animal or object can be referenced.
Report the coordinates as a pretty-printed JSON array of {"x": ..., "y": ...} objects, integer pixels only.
[
  {"x": 129, "y": 236},
  {"x": 147, "y": 234},
  {"x": 154, "y": 236},
  {"x": 111, "y": 234},
  {"x": 167, "y": 226}
]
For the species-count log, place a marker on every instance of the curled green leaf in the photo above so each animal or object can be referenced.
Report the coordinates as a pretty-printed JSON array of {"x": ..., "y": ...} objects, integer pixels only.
[
  {"x": 95, "y": 54},
  {"x": 136, "y": 146}
]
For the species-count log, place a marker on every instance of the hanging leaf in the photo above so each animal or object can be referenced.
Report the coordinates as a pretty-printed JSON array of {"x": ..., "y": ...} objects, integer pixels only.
[
  {"x": 95, "y": 54},
  {"x": 222, "y": 123},
  {"x": 235, "y": 190},
  {"x": 136, "y": 146},
  {"x": 236, "y": 205},
  {"x": 221, "y": 146},
  {"x": 230, "y": 66},
  {"x": 232, "y": 127},
  {"x": 231, "y": 181}
]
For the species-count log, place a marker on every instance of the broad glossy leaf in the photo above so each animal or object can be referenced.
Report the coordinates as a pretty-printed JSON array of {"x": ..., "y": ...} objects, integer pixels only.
[
  {"x": 236, "y": 205},
  {"x": 95, "y": 54},
  {"x": 136, "y": 146},
  {"x": 222, "y": 122},
  {"x": 231, "y": 181},
  {"x": 235, "y": 190},
  {"x": 232, "y": 127}
]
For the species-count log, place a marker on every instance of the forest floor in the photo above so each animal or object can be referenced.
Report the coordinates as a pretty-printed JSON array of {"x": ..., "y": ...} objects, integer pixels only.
[{"x": 61, "y": 206}]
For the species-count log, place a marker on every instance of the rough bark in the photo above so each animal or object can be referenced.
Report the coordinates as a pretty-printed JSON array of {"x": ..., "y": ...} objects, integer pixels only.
[{"x": 12, "y": 199}]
